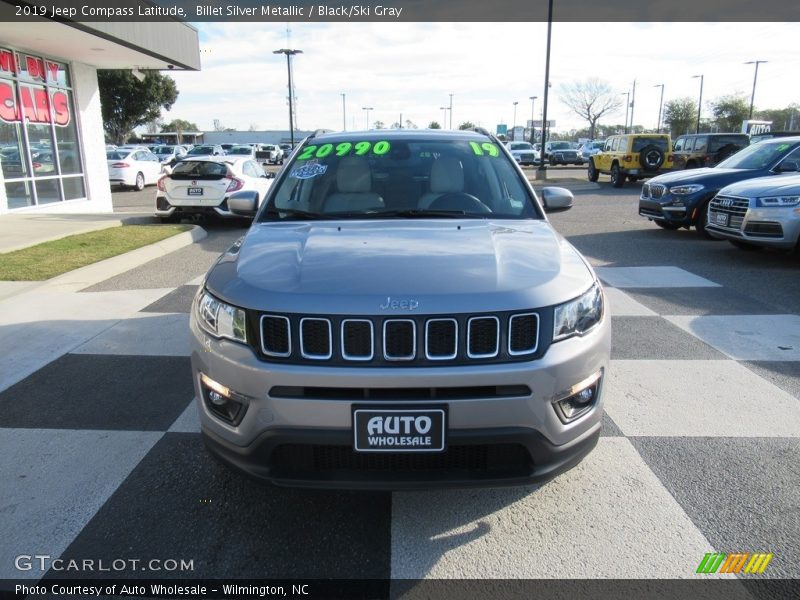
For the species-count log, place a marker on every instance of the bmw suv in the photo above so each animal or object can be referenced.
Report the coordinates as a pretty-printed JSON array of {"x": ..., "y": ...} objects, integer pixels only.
[{"x": 401, "y": 314}]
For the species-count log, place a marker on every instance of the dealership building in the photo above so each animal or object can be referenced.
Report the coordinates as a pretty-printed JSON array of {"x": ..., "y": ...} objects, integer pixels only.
[{"x": 52, "y": 144}]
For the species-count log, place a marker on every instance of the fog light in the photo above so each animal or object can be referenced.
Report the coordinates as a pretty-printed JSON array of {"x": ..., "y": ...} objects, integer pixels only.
[
  {"x": 578, "y": 400},
  {"x": 226, "y": 404}
]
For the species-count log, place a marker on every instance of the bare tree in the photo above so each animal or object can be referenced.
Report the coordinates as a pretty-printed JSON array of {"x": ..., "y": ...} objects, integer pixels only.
[{"x": 590, "y": 99}]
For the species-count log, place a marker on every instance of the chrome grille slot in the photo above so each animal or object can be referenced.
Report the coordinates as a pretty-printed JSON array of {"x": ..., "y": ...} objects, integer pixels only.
[
  {"x": 275, "y": 337},
  {"x": 315, "y": 338},
  {"x": 441, "y": 339},
  {"x": 483, "y": 337},
  {"x": 523, "y": 334},
  {"x": 357, "y": 339},
  {"x": 735, "y": 208},
  {"x": 399, "y": 339}
]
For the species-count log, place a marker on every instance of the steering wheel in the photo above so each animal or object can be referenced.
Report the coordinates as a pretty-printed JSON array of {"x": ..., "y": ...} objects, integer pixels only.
[{"x": 459, "y": 201}]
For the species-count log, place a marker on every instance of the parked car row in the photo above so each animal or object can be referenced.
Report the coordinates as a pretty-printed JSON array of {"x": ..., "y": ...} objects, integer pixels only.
[{"x": 751, "y": 198}]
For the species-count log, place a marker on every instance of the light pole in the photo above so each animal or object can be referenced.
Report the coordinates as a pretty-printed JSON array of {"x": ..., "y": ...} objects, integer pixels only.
[
  {"x": 344, "y": 114},
  {"x": 755, "y": 78},
  {"x": 367, "y": 108},
  {"x": 451, "y": 111},
  {"x": 627, "y": 107},
  {"x": 541, "y": 172},
  {"x": 444, "y": 110},
  {"x": 289, "y": 53},
  {"x": 699, "y": 102},
  {"x": 514, "y": 126},
  {"x": 533, "y": 118},
  {"x": 660, "y": 104}
]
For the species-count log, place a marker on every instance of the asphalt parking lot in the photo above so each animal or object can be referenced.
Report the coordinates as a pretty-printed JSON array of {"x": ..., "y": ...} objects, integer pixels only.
[{"x": 699, "y": 452}]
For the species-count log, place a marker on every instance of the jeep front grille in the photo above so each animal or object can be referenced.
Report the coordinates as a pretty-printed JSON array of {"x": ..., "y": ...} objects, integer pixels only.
[{"x": 417, "y": 341}]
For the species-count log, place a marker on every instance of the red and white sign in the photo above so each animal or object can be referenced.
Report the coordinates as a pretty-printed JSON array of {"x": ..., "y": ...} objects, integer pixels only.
[{"x": 34, "y": 104}]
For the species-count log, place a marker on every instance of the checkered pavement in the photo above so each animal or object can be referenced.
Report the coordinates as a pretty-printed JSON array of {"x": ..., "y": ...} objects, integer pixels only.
[{"x": 102, "y": 458}]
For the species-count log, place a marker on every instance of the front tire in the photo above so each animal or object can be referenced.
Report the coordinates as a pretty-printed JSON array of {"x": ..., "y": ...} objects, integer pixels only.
[
  {"x": 591, "y": 172},
  {"x": 702, "y": 222},
  {"x": 617, "y": 176},
  {"x": 139, "y": 185}
]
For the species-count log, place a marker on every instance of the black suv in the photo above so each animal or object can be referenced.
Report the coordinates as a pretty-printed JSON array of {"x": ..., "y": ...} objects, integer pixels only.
[{"x": 706, "y": 149}]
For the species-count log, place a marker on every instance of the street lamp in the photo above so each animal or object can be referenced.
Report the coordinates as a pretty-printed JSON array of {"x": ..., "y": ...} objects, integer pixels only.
[
  {"x": 367, "y": 108},
  {"x": 514, "y": 126},
  {"x": 533, "y": 118},
  {"x": 444, "y": 110},
  {"x": 660, "y": 104},
  {"x": 755, "y": 78},
  {"x": 699, "y": 102},
  {"x": 344, "y": 114},
  {"x": 541, "y": 172},
  {"x": 289, "y": 53},
  {"x": 451, "y": 111},
  {"x": 627, "y": 107}
]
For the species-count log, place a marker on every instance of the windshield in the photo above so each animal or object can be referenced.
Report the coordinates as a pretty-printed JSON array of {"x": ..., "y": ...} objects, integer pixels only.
[
  {"x": 354, "y": 178},
  {"x": 560, "y": 146},
  {"x": 116, "y": 155},
  {"x": 520, "y": 146},
  {"x": 240, "y": 150},
  {"x": 758, "y": 156},
  {"x": 201, "y": 150},
  {"x": 199, "y": 169},
  {"x": 163, "y": 150}
]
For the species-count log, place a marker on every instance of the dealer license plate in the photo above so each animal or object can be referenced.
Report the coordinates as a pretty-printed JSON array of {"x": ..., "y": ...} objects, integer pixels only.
[
  {"x": 399, "y": 430},
  {"x": 722, "y": 218},
  {"x": 194, "y": 191}
]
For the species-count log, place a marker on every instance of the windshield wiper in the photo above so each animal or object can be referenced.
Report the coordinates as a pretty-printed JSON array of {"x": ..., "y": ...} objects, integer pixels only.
[{"x": 285, "y": 214}]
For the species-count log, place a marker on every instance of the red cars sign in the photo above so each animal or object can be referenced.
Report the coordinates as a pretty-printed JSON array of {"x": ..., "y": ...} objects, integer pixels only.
[{"x": 34, "y": 103}]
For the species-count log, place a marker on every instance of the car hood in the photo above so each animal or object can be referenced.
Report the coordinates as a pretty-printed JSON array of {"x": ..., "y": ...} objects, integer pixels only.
[
  {"x": 445, "y": 266},
  {"x": 765, "y": 186},
  {"x": 707, "y": 176}
]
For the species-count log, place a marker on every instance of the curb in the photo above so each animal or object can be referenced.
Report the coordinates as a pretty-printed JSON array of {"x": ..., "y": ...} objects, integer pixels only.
[{"x": 83, "y": 277}]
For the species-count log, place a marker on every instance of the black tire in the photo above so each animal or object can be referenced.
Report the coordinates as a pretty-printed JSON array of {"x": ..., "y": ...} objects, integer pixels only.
[
  {"x": 139, "y": 185},
  {"x": 591, "y": 172},
  {"x": 617, "y": 176},
  {"x": 702, "y": 221},
  {"x": 744, "y": 245},
  {"x": 651, "y": 158},
  {"x": 553, "y": 162},
  {"x": 668, "y": 226},
  {"x": 691, "y": 165}
]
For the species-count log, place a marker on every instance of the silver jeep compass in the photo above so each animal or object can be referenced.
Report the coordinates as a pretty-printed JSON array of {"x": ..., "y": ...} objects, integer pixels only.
[{"x": 401, "y": 314}]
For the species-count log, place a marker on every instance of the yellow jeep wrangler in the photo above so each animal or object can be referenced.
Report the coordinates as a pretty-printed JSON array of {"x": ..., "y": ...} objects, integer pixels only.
[{"x": 633, "y": 156}]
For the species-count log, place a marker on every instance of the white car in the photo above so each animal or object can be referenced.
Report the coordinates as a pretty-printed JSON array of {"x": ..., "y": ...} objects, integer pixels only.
[
  {"x": 269, "y": 154},
  {"x": 133, "y": 168},
  {"x": 201, "y": 186},
  {"x": 523, "y": 152}
]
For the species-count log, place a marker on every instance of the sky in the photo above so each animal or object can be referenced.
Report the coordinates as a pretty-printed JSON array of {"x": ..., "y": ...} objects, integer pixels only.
[{"x": 412, "y": 68}]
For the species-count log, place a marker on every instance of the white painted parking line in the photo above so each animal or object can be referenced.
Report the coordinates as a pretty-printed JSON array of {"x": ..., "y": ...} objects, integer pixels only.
[
  {"x": 41, "y": 326},
  {"x": 697, "y": 398},
  {"x": 188, "y": 422},
  {"x": 54, "y": 483},
  {"x": 144, "y": 334},
  {"x": 649, "y": 277},
  {"x": 197, "y": 280},
  {"x": 608, "y": 517},
  {"x": 747, "y": 337},
  {"x": 622, "y": 305}
]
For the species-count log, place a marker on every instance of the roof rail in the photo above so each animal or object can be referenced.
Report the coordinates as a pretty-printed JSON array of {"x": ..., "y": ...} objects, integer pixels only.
[{"x": 482, "y": 130}]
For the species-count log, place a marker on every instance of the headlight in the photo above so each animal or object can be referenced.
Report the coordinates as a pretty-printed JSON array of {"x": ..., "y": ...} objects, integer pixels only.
[
  {"x": 683, "y": 190},
  {"x": 220, "y": 319},
  {"x": 779, "y": 201},
  {"x": 579, "y": 315}
]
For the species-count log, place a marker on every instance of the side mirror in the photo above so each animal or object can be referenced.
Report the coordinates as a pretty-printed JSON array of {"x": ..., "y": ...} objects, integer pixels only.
[
  {"x": 244, "y": 204},
  {"x": 788, "y": 166},
  {"x": 556, "y": 199}
]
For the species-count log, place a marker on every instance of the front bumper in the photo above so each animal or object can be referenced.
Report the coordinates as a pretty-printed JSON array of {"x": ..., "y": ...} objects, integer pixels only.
[
  {"x": 684, "y": 213},
  {"x": 766, "y": 227},
  {"x": 492, "y": 441}
]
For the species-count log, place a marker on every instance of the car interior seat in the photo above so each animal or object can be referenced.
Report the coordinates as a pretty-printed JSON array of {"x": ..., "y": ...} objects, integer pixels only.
[
  {"x": 447, "y": 176},
  {"x": 354, "y": 185}
]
